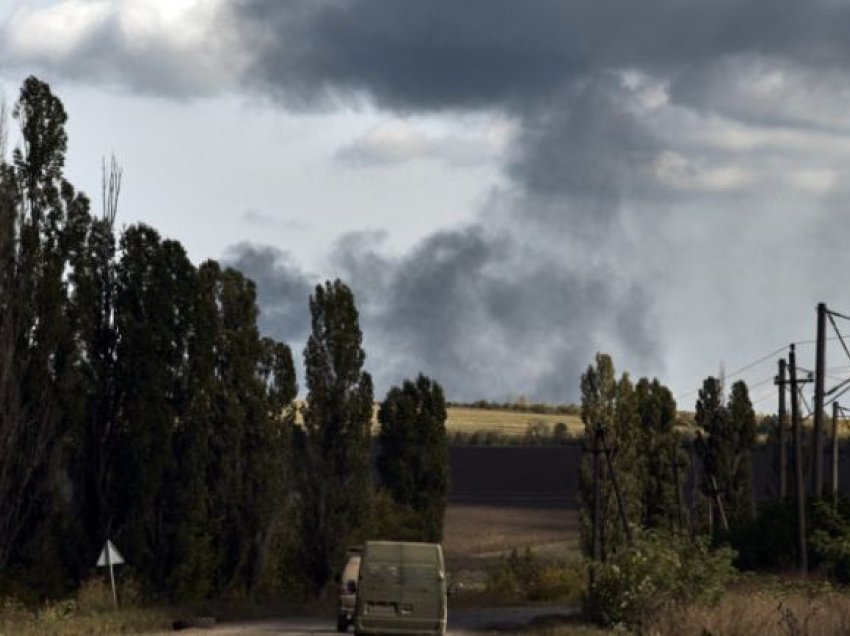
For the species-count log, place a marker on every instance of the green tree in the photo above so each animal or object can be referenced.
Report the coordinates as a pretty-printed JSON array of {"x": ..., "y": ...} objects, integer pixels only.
[
  {"x": 93, "y": 438},
  {"x": 742, "y": 420},
  {"x": 662, "y": 457},
  {"x": 137, "y": 398},
  {"x": 725, "y": 441},
  {"x": 610, "y": 403},
  {"x": 231, "y": 472},
  {"x": 257, "y": 382},
  {"x": 413, "y": 462},
  {"x": 153, "y": 301},
  {"x": 196, "y": 487},
  {"x": 41, "y": 216},
  {"x": 335, "y": 482}
]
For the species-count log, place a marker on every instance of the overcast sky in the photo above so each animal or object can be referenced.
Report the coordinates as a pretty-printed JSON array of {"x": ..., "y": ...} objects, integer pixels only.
[{"x": 509, "y": 187}]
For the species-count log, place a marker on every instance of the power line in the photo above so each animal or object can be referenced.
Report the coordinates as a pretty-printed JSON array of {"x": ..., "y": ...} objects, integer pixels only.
[{"x": 766, "y": 357}]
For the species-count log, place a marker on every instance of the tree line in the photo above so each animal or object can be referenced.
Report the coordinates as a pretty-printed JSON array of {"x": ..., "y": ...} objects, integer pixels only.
[
  {"x": 652, "y": 462},
  {"x": 140, "y": 402},
  {"x": 650, "y": 540}
]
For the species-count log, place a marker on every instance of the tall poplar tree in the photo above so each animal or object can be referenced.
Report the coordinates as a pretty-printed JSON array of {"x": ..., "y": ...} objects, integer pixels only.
[
  {"x": 153, "y": 300},
  {"x": 42, "y": 216},
  {"x": 727, "y": 434},
  {"x": 335, "y": 482},
  {"x": 92, "y": 462},
  {"x": 611, "y": 403},
  {"x": 413, "y": 462},
  {"x": 742, "y": 421},
  {"x": 663, "y": 460}
]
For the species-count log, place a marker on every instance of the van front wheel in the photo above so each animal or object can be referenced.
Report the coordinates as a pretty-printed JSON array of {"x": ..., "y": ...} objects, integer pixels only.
[{"x": 342, "y": 623}]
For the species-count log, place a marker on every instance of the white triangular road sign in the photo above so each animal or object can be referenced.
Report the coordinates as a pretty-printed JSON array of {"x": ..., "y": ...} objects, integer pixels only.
[{"x": 114, "y": 556}]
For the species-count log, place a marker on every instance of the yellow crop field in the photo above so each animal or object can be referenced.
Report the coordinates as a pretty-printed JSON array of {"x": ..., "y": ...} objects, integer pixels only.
[
  {"x": 468, "y": 420},
  {"x": 513, "y": 423}
]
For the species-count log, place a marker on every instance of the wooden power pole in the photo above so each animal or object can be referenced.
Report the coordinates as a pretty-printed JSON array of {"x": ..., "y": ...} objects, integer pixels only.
[
  {"x": 817, "y": 430},
  {"x": 833, "y": 482},
  {"x": 621, "y": 504},
  {"x": 596, "y": 535},
  {"x": 782, "y": 427},
  {"x": 798, "y": 463}
]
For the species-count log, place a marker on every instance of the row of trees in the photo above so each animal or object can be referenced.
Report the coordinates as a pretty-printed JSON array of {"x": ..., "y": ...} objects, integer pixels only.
[
  {"x": 651, "y": 462},
  {"x": 138, "y": 401}
]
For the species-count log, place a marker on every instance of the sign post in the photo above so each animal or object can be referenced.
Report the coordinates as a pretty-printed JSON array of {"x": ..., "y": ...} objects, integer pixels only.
[{"x": 108, "y": 558}]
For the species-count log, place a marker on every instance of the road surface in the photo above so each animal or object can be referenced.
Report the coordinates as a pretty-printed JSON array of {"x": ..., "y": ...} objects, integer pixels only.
[{"x": 460, "y": 622}]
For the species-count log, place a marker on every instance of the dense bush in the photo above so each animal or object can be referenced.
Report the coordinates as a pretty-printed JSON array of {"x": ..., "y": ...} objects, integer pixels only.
[
  {"x": 656, "y": 569},
  {"x": 829, "y": 541},
  {"x": 770, "y": 542}
]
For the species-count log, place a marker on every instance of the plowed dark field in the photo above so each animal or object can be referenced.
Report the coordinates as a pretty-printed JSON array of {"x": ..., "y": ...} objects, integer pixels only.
[
  {"x": 511, "y": 497},
  {"x": 515, "y": 476},
  {"x": 515, "y": 496}
]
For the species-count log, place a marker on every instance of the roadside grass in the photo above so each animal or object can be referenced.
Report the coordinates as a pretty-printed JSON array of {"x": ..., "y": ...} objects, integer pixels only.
[
  {"x": 763, "y": 606},
  {"x": 64, "y": 618},
  {"x": 757, "y": 606}
]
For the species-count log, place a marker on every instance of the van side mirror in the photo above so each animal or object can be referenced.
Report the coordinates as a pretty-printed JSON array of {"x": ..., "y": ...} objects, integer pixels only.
[{"x": 351, "y": 587}]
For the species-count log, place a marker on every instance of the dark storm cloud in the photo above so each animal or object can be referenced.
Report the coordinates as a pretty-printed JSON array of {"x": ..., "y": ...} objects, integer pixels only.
[
  {"x": 484, "y": 54},
  {"x": 486, "y": 316},
  {"x": 578, "y": 156},
  {"x": 563, "y": 262},
  {"x": 519, "y": 303},
  {"x": 282, "y": 290}
]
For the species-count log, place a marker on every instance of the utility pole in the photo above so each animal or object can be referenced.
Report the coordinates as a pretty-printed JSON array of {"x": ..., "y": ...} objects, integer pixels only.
[
  {"x": 798, "y": 463},
  {"x": 781, "y": 426},
  {"x": 596, "y": 535},
  {"x": 621, "y": 504},
  {"x": 834, "y": 455},
  {"x": 820, "y": 375},
  {"x": 715, "y": 494},
  {"x": 678, "y": 487}
]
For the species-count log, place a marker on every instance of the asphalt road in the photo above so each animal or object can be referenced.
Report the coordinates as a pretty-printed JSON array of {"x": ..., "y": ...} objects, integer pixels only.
[{"x": 460, "y": 622}]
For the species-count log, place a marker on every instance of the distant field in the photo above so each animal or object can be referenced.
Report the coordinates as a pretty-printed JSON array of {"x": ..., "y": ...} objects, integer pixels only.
[
  {"x": 514, "y": 423},
  {"x": 505, "y": 422}
]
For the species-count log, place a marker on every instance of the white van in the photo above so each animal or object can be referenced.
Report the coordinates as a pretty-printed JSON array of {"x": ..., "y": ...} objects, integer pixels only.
[
  {"x": 348, "y": 590},
  {"x": 402, "y": 589}
]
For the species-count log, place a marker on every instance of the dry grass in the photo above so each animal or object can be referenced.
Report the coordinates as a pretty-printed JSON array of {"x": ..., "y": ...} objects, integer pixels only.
[
  {"x": 62, "y": 619},
  {"x": 759, "y": 611},
  {"x": 751, "y": 610}
]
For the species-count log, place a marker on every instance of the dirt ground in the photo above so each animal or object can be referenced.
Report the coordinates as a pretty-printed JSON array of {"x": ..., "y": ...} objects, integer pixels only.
[
  {"x": 475, "y": 538},
  {"x": 476, "y": 531}
]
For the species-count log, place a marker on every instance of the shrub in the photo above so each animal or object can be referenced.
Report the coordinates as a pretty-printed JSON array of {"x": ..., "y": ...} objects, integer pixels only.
[
  {"x": 769, "y": 540},
  {"x": 525, "y": 576},
  {"x": 829, "y": 541},
  {"x": 656, "y": 569},
  {"x": 94, "y": 595}
]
